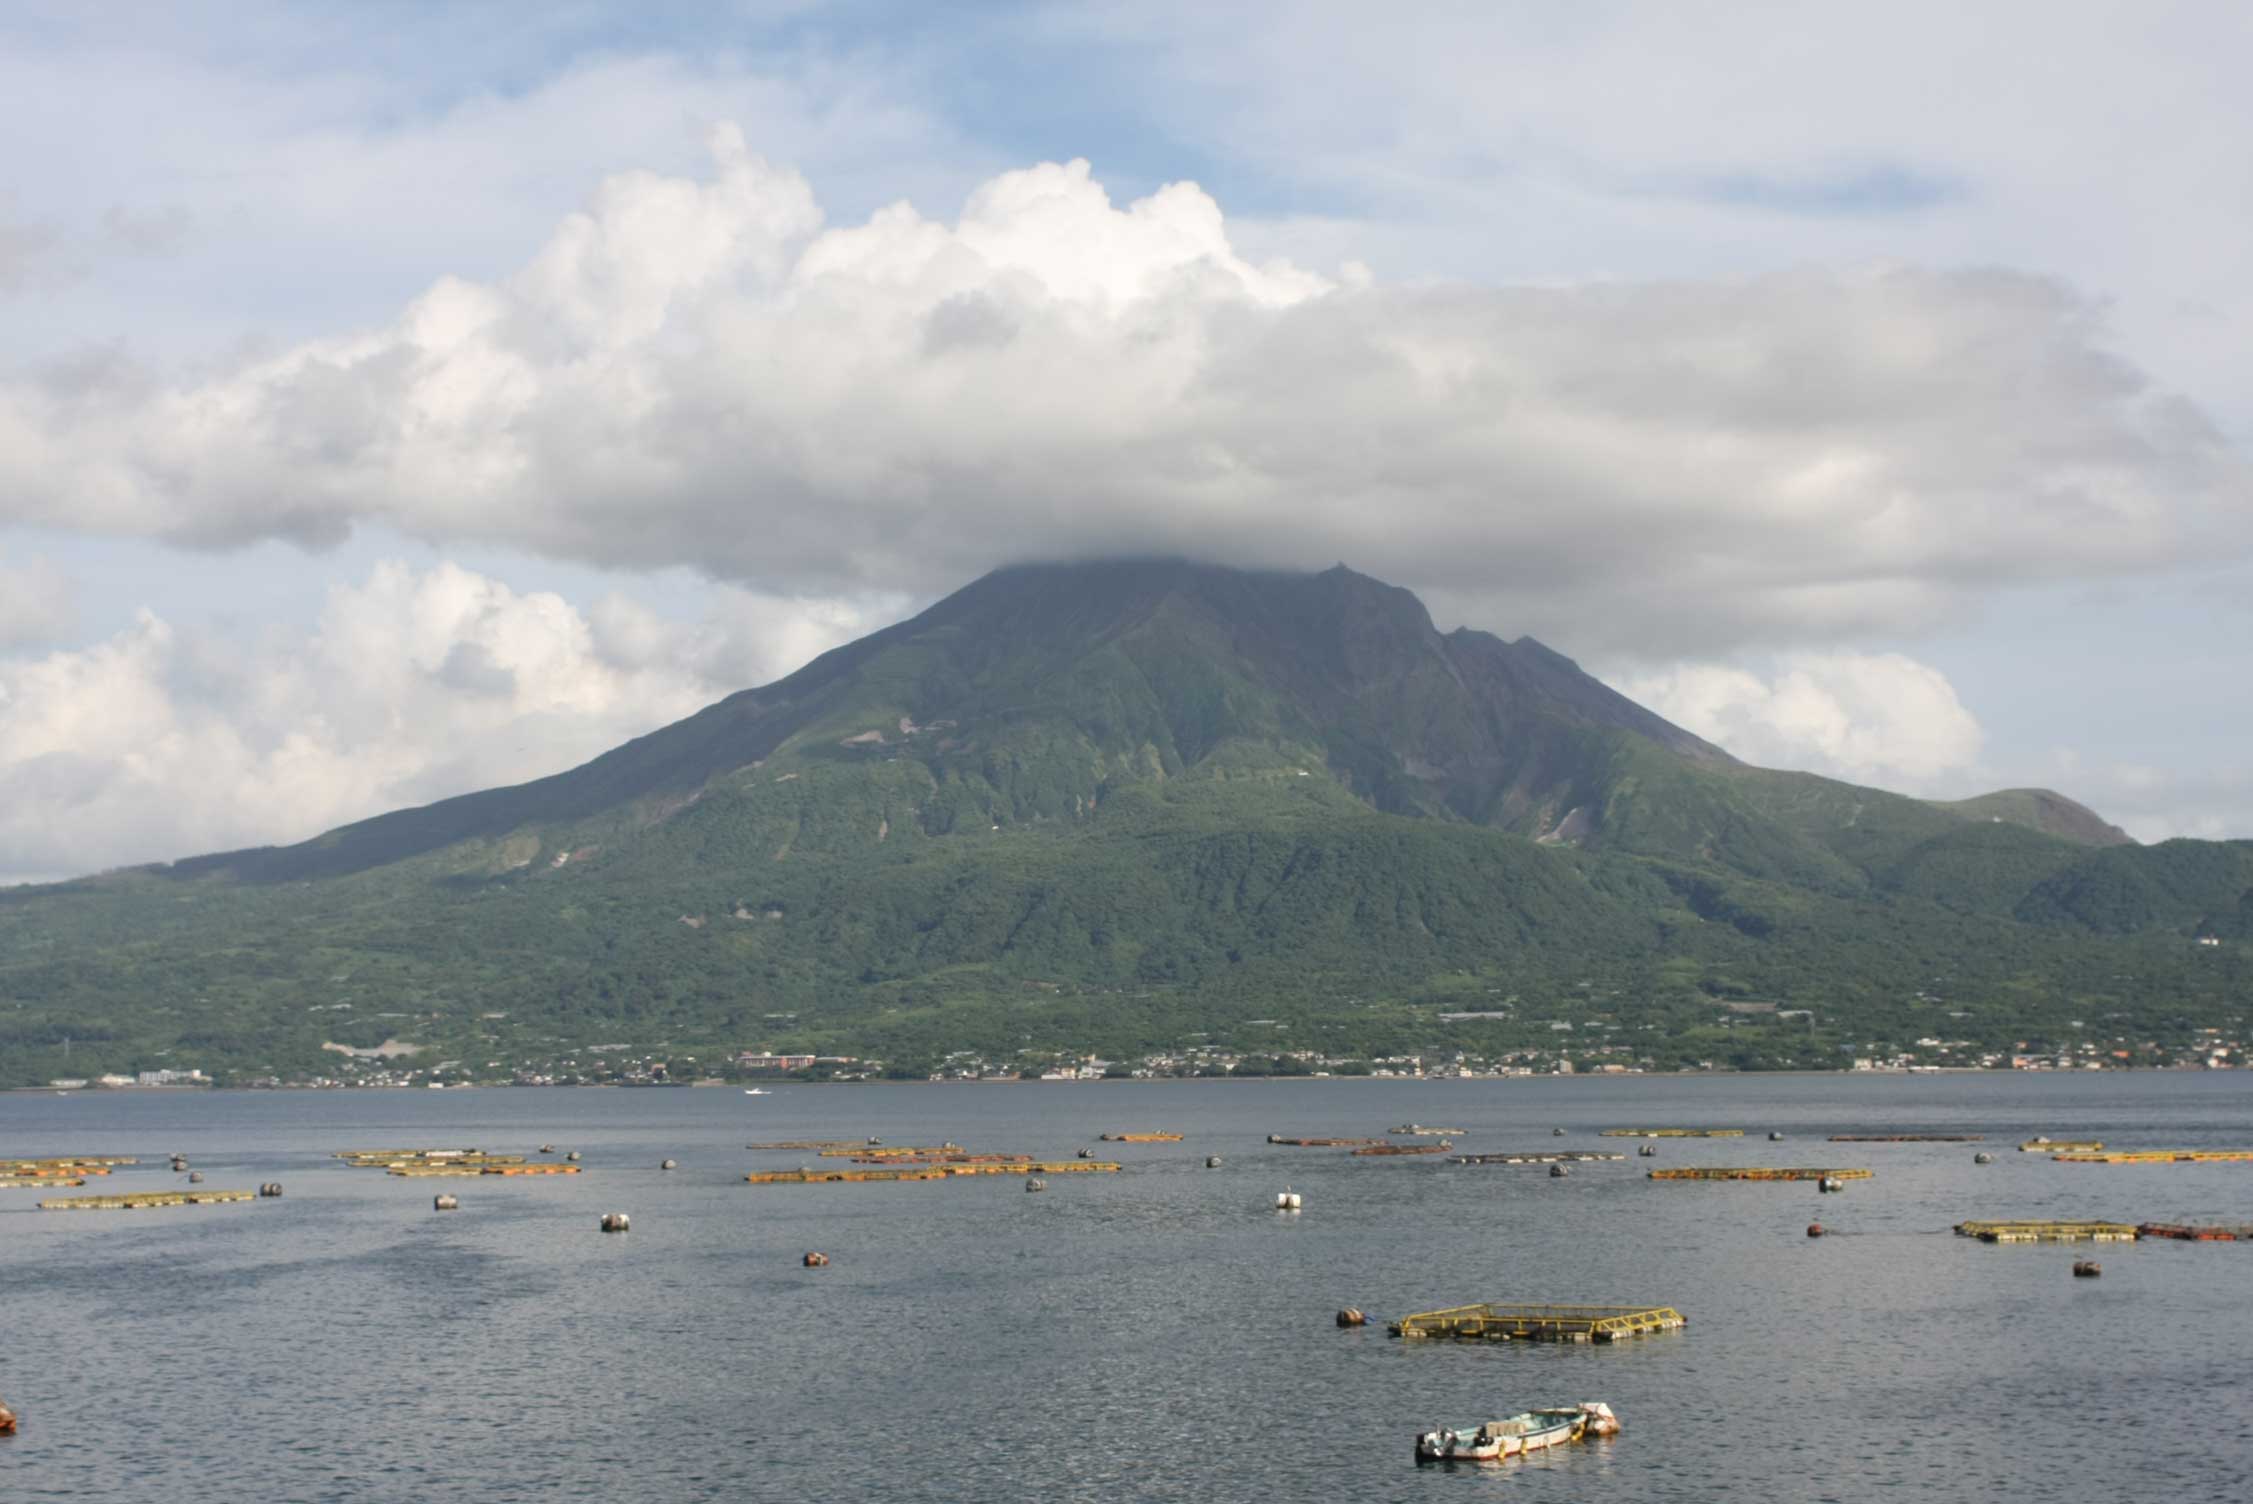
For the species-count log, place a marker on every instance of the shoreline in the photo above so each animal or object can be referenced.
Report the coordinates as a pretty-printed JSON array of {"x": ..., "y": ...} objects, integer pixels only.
[{"x": 1733, "y": 1075}]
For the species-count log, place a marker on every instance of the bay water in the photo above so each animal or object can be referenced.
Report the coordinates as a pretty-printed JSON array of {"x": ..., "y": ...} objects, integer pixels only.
[{"x": 1162, "y": 1333}]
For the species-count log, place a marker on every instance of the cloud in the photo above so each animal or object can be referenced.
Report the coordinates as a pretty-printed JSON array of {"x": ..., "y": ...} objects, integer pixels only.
[
  {"x": 37, "y": 603},
  {"x": 696, "y": 372},
  {"x": 159, "y": 231},
  {"x": 163, "y": 741},
  {"x": 29, "y": 255},
  {"x": 1873, "y": 718}
]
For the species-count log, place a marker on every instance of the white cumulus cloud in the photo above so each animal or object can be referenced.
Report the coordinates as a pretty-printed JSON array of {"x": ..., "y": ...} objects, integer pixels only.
[
  {"x": 1875, "y": 718},
  {"x": 695, "y": 372},
  {"x": 413, "y": 685}
]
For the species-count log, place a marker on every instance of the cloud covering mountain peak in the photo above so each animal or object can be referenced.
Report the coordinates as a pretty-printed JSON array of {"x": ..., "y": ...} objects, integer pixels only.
[{"x": 694, "y": 371}]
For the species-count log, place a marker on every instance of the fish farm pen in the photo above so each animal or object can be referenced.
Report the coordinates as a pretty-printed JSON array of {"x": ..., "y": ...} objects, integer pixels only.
[
  {"x": 816, "y": 1145},
  {"x": 1540, "y": 1157},
  {"x": 964, "y": 1158},
  {"x": 926, "y": 1172},
  {"x": 1396, "y": 1149},
  {"x": 2230, "y": 1232},
  {"x": 1755, "y": 1172},
  {"x": 2048, "y": 1232},
  {"x": 2060, "y": 1146},
  {"x": 133, "y": 1200},
  {"x": 15, "y": 1183},
  {"x": 1490, "y": 1322},
  {"x": 1140, "y": 1138},
  {"x": 92, "y": 1165},
  {"x": 1673, "y": 1133},
  {"x": 428, "y": 1171},
  {"x": 2159, "y": 1156},
  {"x": 877, "y": 1151},
  {"x": 1906, "y": 1138},
  {"x": 1324, "y": 1143}
]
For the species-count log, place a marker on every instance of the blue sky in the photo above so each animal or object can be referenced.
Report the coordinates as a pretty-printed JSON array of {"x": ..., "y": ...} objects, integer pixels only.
[{"x": 400, "y": 399}]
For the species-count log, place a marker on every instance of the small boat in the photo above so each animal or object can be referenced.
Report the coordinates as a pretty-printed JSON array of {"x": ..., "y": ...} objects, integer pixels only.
[
  {"x": 1527, "y": 1431},
  {"x": 757, "y": 1091}
]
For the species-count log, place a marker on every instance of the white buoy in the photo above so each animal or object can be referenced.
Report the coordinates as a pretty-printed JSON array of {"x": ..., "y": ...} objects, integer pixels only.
[
  {"x": 1288, "y": 1200},
  {"x": 444, "y": 1203}
]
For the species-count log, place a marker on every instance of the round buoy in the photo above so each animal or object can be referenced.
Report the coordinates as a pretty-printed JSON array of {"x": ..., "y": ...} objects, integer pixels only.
[
  {"x": 7, "y": 1420},
  {"x": 875, "y": 1141},
  {"x": 1352, "y": 1317},
  {"x": 1036, "y": 1184},
  {"x": 547, "y": 1148},
  {"x": 270, "y": 1188},
  {"x": 573, "y": 1156},
  {"x": 1557, "y": 1172},
  {"x": 195, "y": 1177},
  {"x": 1289, "y": 1201},
  {"x": 2087, "y": 1269},
  {"x": 1830, "y": 1183},
  {"x": 1087, "y": 1154},
  {"x": 1775, "y": 1138},
  {"x": 1556, "y": 1133},
  {"x": 1647, "y": 1150},
  {"x": 616, "y": 1222},
  {"x": 1983, "y": 1158},
  {"x": 670, "y": 1164},
  {"x": 179, "y": 1163},
  {"x": 1814, "y": 1229},
  {"x": 1212, "y": 1161},
  {"x": 445, "y": 1203},
  {"x": 817, "y": 1261}
]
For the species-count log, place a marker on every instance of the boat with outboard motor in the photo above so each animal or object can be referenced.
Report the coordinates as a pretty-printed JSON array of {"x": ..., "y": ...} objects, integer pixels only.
[{"x": 1527, "y": 1431}]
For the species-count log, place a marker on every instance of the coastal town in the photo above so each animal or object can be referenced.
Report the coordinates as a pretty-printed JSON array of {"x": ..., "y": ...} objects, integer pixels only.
[{"x": 622, "y": 1065}]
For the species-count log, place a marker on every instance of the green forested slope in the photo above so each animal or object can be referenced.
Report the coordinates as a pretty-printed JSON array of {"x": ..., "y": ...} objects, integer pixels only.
[{"x": 1130, "y": 806}]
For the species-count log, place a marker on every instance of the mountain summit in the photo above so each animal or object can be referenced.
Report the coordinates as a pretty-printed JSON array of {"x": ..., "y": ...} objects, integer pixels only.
[
  {"x": 1055, "y": 683},
  {"x": 1126, "y": 804}
]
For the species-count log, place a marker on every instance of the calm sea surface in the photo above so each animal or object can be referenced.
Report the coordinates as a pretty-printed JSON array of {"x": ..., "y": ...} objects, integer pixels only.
[{"x": 1157, "y": 1334}]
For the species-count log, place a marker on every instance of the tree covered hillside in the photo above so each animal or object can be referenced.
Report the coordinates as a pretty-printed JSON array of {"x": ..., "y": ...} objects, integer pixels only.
[{"x": 1122, "y": 807}]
